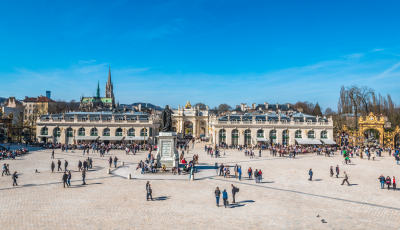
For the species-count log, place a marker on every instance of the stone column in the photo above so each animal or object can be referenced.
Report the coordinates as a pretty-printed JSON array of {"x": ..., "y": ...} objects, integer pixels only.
[
  {"x": 195, "y": 128},
  {"x": 279, "y": 138}
]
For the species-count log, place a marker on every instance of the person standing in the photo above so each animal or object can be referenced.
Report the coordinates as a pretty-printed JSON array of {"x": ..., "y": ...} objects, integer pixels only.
[
  {"x": 221, "y": 169},
  {"x": 110, "y": 161},
  {"x": 52, "y": 154},
  {"x": 225, "y": 197},
  {"x": 234, "y": 191},
  {"x": 64, "y": 179},
  {"x": 259, "y": 176},
  {"x": 331, "y": 171},
  {"x": 388, "y": 182},
  {"x": 256, "y": 176},
  {"x": 217, "y": 193},
  {"x": 53, "y": 166},
  {"x": 80, "y": 165},
  {"x": 4, "y": 169},
  {"x": 15, "y": 177},
  {"x": 250, "y": 171},
  {"x": 240, "y": 173},
  {"x": 394, "y": 183},
  {"x": 59, "y": 166},
  {"x": 382, "y": 180},
  {"x": 69, "y": 178},
  {"x": 83, "y": 176},
  {"x": 345, "y": 178},
  {"x": 337, "y": 171},
  {"x": 236, "y": 171},
  {"x": 310, "y": 173},
  {"x": 66, "y": 165}
]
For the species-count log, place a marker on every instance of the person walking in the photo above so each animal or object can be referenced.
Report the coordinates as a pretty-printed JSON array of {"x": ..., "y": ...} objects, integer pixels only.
[
  {"x": 115, "y": 161},
  {"x": 240, "y": 173},
  {"x": 331, "y": 171},
  {"x": 69, "y": 178},
  {"x": 310, "y": 173},
  {"x": 53, "y": 166},
  {"x": 388, "y": 182},
  {"x": 382, "y": 180},
  {"x": 217, "y": 193},
  {"x": 83, "y": 176},
  {"x": 52, "y": 154},
  {"x": 234, "y": 191},
  {"x": 4, "y": 169},
  {"x": 80, "y": 165},
  {"x": 225, "y": 197},
  {"x": 15, "y": 177},
  {"x": 345, "y": 178},
  {"x": 221, "y": 169},
  {"x": 149, "y": 191},
  {"x": 259, "y": 176},
  {"x": 110, "y": 161},
  {"x": 59, "y": 166},
  {"x": 337, "y": 171},
  {"x": 66, "y": 165},
  {"x": 236, "y": 171},
  {"x": 64, "y": 179}
]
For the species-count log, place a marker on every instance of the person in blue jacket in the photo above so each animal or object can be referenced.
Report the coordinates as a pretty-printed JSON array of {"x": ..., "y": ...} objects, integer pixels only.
[{"x": 225, "y": 197}]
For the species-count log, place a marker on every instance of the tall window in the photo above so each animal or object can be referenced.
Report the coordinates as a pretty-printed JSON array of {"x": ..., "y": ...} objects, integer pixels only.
[
  {"x": 247, "y": 137},
  {"x": 81, "y": 132},
  {"x": 260, "y": 133},
  {"x": 285, "y": 137},
  {"x": 93, "y": 132},
  {"x": 70, "y": 132},
  {"x": 235, "y": 137},
  {"x": 106, "y": 132},
  {"x": 45, "y": 131},
  {"x": 118, "y": 132},
  {"x": 131, "y": 132},
  {"x": 143, "y": 132},
  {"x": 324, "y": 134},
  {"x": 57, "y": 132},
  {"x": 297, "y": 134},
  {"x": 222, "y": 135},
  {"x": 272, "y": 134},
  {"x": 311, "y": 134}
]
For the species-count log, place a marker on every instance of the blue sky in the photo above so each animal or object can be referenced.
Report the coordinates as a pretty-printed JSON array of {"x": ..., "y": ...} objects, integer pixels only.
[{"x": 213, "y": 52}]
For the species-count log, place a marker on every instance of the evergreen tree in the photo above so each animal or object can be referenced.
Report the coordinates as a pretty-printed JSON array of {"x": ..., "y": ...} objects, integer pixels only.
[{"x": 317, "y": 110}]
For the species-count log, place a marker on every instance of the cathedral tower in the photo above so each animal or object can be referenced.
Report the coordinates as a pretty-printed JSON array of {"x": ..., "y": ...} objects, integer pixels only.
[{"x": 109, "y": 86}]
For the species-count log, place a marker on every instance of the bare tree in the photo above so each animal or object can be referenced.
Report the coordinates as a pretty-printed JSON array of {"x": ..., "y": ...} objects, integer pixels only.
[
  {"x": 224, "y": 107},
  {"x": 201, "y": 105}
]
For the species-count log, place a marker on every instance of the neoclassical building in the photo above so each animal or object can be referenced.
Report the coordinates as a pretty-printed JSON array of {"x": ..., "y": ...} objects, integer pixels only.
[
  {"x": 77, "y": 127},
  {"x": 190, "y": 118},
  {"x": 272, "y": 127}
]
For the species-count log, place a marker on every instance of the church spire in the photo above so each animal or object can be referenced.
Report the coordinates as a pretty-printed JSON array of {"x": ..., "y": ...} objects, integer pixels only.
[
  {"x": 98, "y": 90},
  {"x": 109, "y": 75}
]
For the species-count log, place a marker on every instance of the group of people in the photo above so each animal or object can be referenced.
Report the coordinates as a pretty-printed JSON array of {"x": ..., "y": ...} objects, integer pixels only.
[
  {"x": 224, "y": 194},
  {"x": 388, "y": 181}
]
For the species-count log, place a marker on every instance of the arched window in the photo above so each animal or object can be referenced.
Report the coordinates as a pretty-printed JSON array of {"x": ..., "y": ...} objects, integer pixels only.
[
  {"x": 81, "y": 132},
  {"x": 235, "y": 137},
  {"x": 143, "y": 132},
  {"x": 70, "y": 132},
  {"x": 247, "y": 137},
  {"x": 285, "y": 137},
  {"x": 222, "y": 136},
  {"x": 57, "y": 132},
  {"x": 118, "y": 132},
  {"x": 106, "y": 132},
  {"x": 260, "y": 133},
  {"x": 272, "y": 134},
  {"x": 324, "y": 134},
  {"x": 131, "y": 132},
  {"x": 45, "y": 131},
  {"x": 311, "y": 134},
  {"x": 297, "y": 134},
  {"x": 93, "y": 132}
]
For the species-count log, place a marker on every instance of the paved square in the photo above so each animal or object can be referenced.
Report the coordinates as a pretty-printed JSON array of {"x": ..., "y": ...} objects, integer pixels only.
[{"x": 285, "y": 199}]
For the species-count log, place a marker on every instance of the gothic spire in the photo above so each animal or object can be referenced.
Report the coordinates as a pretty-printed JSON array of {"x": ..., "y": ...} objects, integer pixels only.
[
  {"x": 98, "y": 90},
  {"x": 109, "y": 76}
]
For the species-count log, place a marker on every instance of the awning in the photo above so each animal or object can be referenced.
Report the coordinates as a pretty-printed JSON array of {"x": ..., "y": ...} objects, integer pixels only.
[
  {"x": 108, "y": 138},
  {"x": 307, "y": 141},
  {"x": 328, "y": 141},
  {"x": 262, "y": 139},
  {"x": 135, "y": 138},
  {"x": 91, "y": 138},
  {"x": 45, "y": 135}
]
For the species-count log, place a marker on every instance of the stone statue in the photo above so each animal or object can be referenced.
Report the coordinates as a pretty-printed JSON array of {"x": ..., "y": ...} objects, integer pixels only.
[{"x": 166, "y": 120}]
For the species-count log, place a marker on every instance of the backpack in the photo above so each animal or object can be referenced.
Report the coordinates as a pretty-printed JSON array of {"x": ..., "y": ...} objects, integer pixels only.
[{"x": 236, "y": 189}]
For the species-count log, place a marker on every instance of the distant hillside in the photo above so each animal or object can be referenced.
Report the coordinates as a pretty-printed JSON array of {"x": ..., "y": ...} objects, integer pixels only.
[{"x": 149, "y": 105}]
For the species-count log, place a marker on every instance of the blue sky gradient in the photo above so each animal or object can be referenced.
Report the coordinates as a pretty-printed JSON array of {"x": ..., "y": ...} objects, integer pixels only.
[{"x": 213, "y": 52}]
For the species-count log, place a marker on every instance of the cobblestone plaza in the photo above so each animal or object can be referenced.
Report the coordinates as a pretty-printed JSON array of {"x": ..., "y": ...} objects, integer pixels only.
[{"x": 285, "y": 199}]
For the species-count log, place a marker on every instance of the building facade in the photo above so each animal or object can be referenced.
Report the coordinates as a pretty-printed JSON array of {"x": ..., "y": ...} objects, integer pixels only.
[
  {"x": 87, "y": 127},
  {"x": 190, "y": 121},
  {"x": 35, "y": 107}
]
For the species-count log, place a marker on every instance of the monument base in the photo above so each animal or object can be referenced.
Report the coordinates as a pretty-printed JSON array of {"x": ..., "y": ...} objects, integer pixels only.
[{"x": 167, "y": 154}]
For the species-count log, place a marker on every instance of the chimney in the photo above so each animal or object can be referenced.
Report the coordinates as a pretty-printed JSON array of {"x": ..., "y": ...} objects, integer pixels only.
[
  {"x": 253, "y": 106},
  {"x": 288, "y": 105},
  {"x": 140, "y": 106},
  {"x": 179, "y": 107},
  {"x": 277, "y": 105}
]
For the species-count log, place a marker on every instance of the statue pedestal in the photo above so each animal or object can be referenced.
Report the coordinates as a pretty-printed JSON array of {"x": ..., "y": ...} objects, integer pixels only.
[{"x": 166, "y": 152}]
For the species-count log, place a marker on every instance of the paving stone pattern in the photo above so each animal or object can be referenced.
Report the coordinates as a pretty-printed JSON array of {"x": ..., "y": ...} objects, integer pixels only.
[{"x": 285, "y": 199}]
